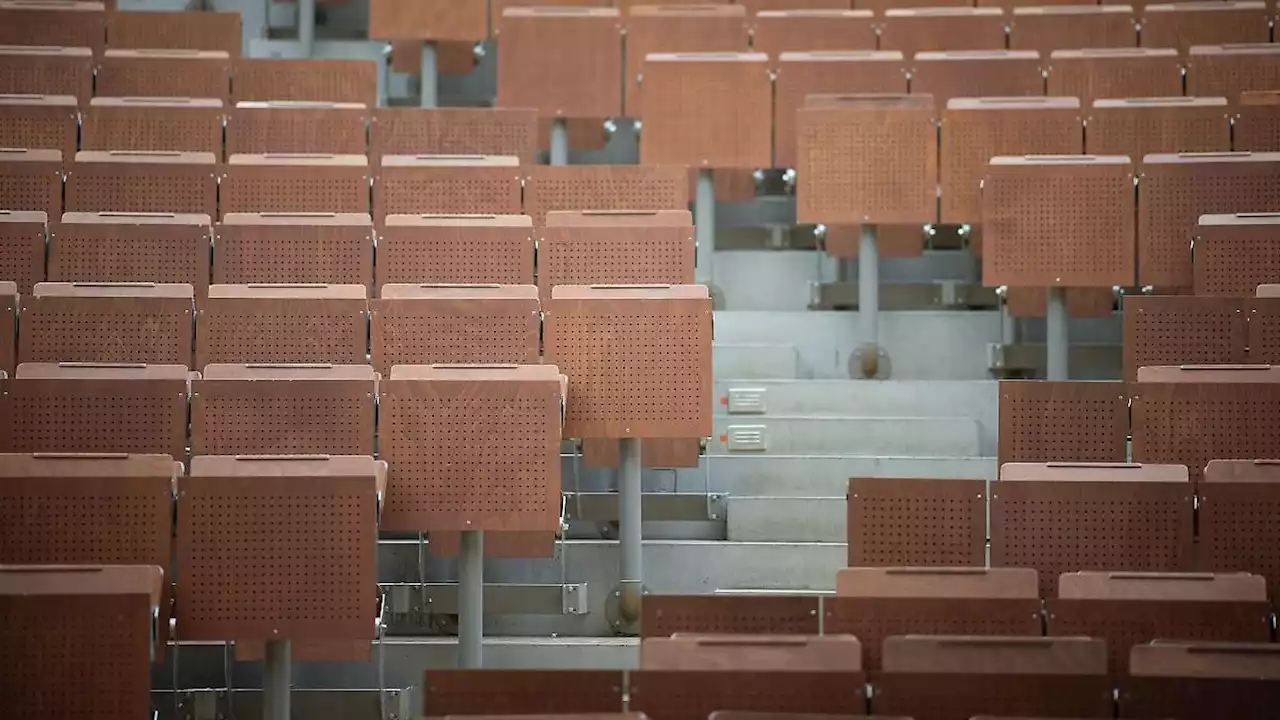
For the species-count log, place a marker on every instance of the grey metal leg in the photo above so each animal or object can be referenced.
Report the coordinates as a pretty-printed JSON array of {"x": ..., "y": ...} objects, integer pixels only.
[
  {"x": 1055, "y": 328},
  {"x": 869, "y": 286},
  {"x": 471, "y": 600},
  {"x": 704, "y": 226},
  {"x": 276, "y": 680},
  {"x": 307, "y": 26},
  {"x": 559, "y": 142},
  {"x": 429, "y": 77},
  {"x": 630, "y": 536}
]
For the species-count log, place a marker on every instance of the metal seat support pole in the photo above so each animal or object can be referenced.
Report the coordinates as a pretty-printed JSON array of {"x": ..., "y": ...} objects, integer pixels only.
[
  {"x": 307, "y": 27},
  {"x": 630, "y": 517},
  {"x": 559, "y": 142},
  {"x": 868, "y": 352},
  {"x": 277, "y": 680},
  {"x": 429, "y": 79},
  {"x": 471, "y": 600},
  {"x": 1055, "y": 338},
  {"x": 704, "y": 226}
]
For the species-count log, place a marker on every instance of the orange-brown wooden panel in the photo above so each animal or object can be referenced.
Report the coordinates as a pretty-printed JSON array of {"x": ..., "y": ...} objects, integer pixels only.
[
  {"x": 914, "y": 523},
  {"x": 455, "y": 250},
  {"x": 270, "y": 409},
  {"x": 781, "y": 31},
  {"x": 1184, "y": 24},
  {"x": 709, "y": 110},
  {"x": 665, "y": 453},
  {"x": 22, "y": 251},
  {"x": 47, "y": 71},
  {"x": 448, "y": 430},
  {"x": 1081, "y": 302},
  {"x": 131, "y": 248},
  {"x": 1235, "y": 253},
  {"x": 616, "y": 248},
  {"x": 246, "y": 516},
  {"x": 1058, "y": 220},
  {"x": 425, "y": 324},
  {"x": 755, "y": 7},
  {"x": 510, "y": 692},
  {"x": 655, "y": 29},
  {"x": 8, "y": 318},
  {"x": 1175, "y": 190},
  {"x": 142, "y": 181},
  {"x": 295, "y": 183},
  {"x": 56, "y": 23},
  {"x": 31, "y": 180},
  {"x": 974, "y": 130},
  {"x": 283, "y": 323},
  {"x": 1184, "y": 330},
  {"x": 428, "y": 19},
  {"x": 452, "y": 58},
  {"x": 498, "y": 8},
  {"x": 455, "y": 131},
  {"x": 447, "y": 185},
  {"x": 944, "y": 677},
  {"x": 1044, "y": 421},
  {"x": 317, "y": 80},
  {"x": 800, "y": 74},
  {"x": 107, "y": 322},
  {"x": 977, "y": 74},
  {"x": 1196, "y": 413},
  {"x": 164, "y": 73},
  {"x": 1257, "y": 122},
  {"x": 297, "y": 127},
  {"x": 197, "y": 30},
  {"x": 115, "y": 509},
  {"x": 1205, "y": 679},
  {"x": 1115, "y": 73},
  {"x": 638, "y": 359},
  {"x": 604, "y": 188},
  {"x": 867, "y": 159},
  {"x": 1236, "y": 499},
  {"x": 563, "y": 62},
  {"x": 1229, "y": 70},
  {"x": 892, "y": 241},
  {"x": 39, "y": 122},
  {"x": 153, "y": 124},
  {"x": 1072, "y": 27},
  {"x": 327, "y": 248},
  {"x": 1147, "y": 526},
  {"x": 97, "y": 408},
  {"x": 103, "y": 635},
  {"x": 943, "y": 28},
  {"x": 1140, "y": 126}
]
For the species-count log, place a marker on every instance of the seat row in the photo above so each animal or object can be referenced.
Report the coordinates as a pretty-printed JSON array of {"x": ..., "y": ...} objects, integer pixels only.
[
  {"x": 1061, "y": 517},
  {"x": 96, "y": 26},
  {"x": 925, "y": 677},
  {"x": 1199, "y": 329},
  {"x": 339, "y": 249},
  {"x": 1186, "y": 415},
  {"x": 75, "y": 71},
  {"x": 304, "y": 183},
  {"x": 875, "y": 603}
]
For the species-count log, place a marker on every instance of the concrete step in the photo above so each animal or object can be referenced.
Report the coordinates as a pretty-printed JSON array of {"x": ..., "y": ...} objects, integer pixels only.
[
  {"x": 815, "y": 475},
  {"x": 787, "y": 519},
  {"x": 753, "y": 360},
  {"x": 790, "y": 435}
]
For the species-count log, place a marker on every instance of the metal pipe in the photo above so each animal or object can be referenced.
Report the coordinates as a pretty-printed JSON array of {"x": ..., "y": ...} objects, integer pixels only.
[
  {"x": 307, "y": 27},
  {"x": 384, "y": 75},
  {"x": 276, "y": 680},
  {"x": 630, "y": 537},
  {"x": 704, "y": 226},
  {"x": 1055, "y": 333},
  {"x": 559, "y": 142},
  {"x": 869, "y": 286},
  {"x": 471, "y": 600},
  {"x": 428, "y": 78}
]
